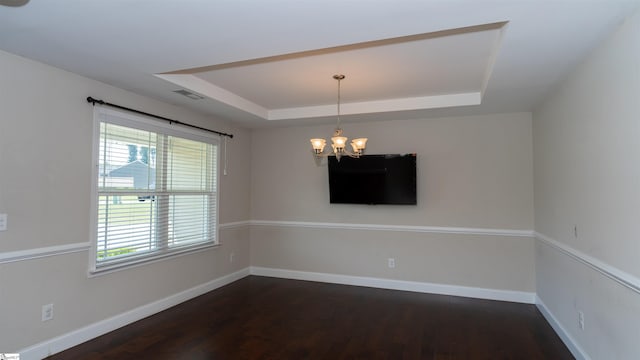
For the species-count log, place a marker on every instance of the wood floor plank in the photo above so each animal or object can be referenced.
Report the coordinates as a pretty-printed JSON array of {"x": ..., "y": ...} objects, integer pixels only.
[{"x": 268, "y": 318}]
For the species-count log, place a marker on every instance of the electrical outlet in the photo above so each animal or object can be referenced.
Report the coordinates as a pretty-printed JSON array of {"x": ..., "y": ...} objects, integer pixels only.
[
  {"x": 232, "y": 257},
  {"x": 581, "y": 320},
  {"x": 391, "y": 262},
  {"x": 47, "y": 312}
]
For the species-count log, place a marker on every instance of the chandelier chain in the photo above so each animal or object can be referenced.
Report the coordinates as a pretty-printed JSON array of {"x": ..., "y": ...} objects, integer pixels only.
[{"x": 339, "y": 80}]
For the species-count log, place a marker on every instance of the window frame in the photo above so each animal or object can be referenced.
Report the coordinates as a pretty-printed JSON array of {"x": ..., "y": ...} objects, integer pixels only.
[{"x": 130, "y": 120}]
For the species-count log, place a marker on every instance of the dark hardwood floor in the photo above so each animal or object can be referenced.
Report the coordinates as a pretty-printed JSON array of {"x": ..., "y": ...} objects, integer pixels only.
[{"x": 268, "y": 318}]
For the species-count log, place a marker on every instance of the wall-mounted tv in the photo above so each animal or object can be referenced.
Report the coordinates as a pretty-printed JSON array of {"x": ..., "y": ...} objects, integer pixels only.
[{"x": 373, "y": 179}]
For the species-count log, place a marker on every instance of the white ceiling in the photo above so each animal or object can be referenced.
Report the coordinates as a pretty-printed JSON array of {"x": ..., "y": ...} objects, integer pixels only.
[{"x": 270, "y": 63}]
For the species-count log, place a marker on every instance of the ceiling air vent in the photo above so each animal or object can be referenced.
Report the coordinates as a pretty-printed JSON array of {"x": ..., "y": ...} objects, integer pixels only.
[{"x": 188, "y": 94}]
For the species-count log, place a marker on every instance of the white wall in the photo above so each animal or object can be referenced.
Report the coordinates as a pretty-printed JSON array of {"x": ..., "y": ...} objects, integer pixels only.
[
  {"x": 473, "y": 172},
  {"x": 587, "y": 174},
  {"x": 45, "y": 169}
]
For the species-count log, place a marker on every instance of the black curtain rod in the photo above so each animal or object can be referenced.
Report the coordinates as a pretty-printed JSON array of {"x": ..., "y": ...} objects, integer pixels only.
[{"x": 171, "y": 121}]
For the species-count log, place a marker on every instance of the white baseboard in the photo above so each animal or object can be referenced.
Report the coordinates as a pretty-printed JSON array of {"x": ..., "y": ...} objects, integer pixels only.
[
  {"x": 431, "y": 288},
  {"x": 76, "y": 337},
  {"x": 566, "y": 338}
]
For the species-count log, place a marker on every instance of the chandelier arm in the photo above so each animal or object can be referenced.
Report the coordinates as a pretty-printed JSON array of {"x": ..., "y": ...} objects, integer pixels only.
[{"x": 344, "y": 152}]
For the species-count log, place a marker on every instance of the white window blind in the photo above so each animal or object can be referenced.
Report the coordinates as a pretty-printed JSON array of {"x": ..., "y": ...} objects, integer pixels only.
[{"x": 156, "y": 192}]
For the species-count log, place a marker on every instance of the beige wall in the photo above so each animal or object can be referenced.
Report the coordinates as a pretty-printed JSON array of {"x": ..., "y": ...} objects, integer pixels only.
[
  {"x": 473, "y": 172},
  {"x": 45, "y": 168},
  {"x": 587, "y": 173},
  {"x": 487, "y": 262}
]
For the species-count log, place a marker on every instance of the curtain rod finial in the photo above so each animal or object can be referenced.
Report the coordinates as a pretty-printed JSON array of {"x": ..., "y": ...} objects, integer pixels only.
[{"x": 94, "y": 101}]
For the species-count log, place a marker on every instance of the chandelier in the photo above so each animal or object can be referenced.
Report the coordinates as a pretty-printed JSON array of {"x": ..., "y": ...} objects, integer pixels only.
[{"x": 338, "y": 142}]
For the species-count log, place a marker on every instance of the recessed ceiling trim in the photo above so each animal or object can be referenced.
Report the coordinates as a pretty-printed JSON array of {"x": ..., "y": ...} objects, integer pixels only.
[
  {"x": 343, "y": 48},
  {"x": 209, "y": 90},
  {"x": 494, "y": 54},
  {"x": 438, "y": 52},
  {"x": 370, "y": 107}
]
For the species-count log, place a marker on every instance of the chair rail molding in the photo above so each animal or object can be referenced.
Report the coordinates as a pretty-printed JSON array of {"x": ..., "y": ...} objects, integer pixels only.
[
  {"x": 613, "y": 273},
  {"x": 402, "y": 228},
  {"x": 37, "y": 253}
]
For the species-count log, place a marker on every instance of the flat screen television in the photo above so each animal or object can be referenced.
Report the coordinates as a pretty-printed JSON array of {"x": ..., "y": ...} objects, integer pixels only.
[{"x": 373, "y": 179}]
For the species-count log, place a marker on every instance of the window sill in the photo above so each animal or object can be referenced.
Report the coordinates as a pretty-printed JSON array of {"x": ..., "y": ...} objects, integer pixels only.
[{"x": 111, "y": 268}]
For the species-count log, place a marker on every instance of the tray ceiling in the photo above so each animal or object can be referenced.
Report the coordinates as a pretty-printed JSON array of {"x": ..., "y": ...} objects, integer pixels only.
[
  {"x": 422, "y": 71},
  {"x": 270, "y": 63}
]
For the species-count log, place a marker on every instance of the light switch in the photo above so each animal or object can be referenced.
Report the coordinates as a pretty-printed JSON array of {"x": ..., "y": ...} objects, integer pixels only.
[{"x": 3, "y": 222}]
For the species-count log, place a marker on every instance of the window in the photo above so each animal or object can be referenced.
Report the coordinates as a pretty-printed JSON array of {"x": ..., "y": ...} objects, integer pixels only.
[{"x": 155, "y": 192}]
